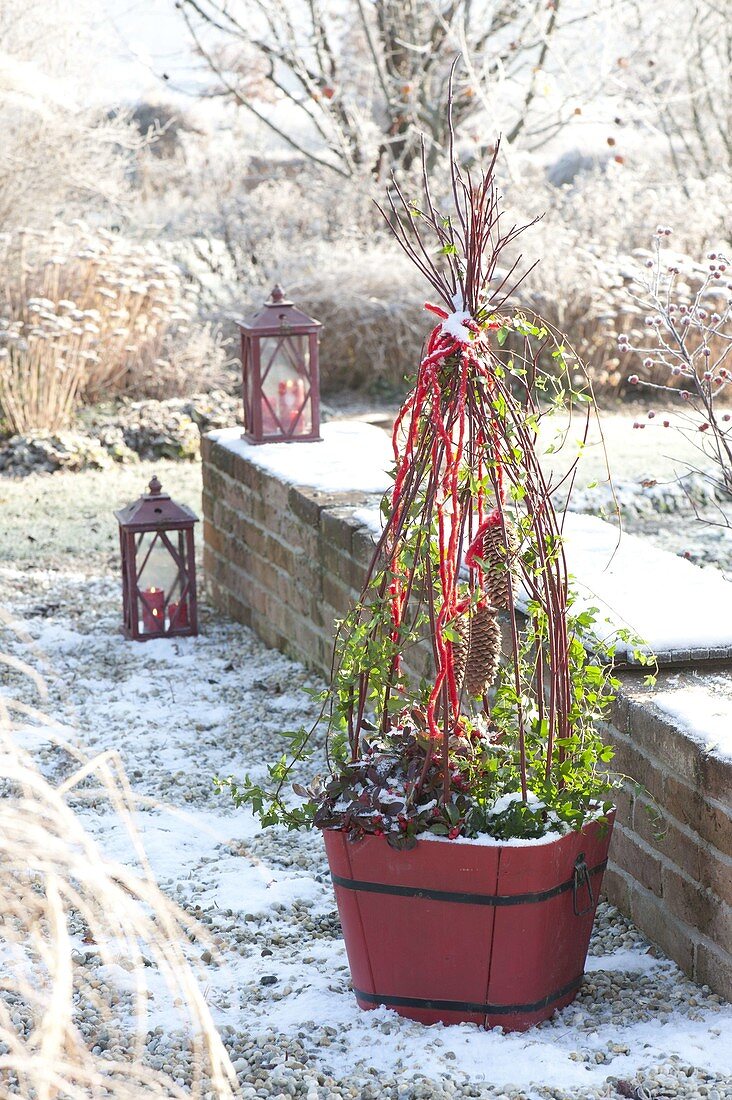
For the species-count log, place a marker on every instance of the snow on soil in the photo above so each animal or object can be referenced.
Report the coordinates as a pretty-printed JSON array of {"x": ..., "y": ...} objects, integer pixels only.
[{"x": 180, "y": 712}]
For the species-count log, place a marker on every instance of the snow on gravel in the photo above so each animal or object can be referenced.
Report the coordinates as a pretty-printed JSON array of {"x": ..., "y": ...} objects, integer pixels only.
[{"x": 180, "y": 712}]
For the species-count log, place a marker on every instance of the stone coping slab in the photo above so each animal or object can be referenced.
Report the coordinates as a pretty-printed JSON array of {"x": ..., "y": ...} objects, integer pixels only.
[{"x": 681, "y": 612}]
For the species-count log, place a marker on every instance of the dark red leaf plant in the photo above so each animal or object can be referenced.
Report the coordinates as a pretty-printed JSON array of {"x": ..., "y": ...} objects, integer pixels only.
[{"x": 462, "y": 698}]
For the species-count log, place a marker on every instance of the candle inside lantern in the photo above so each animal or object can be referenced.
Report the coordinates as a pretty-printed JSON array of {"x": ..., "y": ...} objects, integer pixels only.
[
  {"x": 178, "y": 614},
  {"x": 153, "y": 606},
  {"x": 291, "y": 399}
]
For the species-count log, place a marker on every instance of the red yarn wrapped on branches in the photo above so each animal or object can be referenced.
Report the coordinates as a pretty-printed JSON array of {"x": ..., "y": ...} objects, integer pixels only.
[{"x": 465, "y": 462}]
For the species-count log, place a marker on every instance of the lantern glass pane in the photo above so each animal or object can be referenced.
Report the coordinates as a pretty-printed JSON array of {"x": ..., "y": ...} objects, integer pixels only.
[
  {"x": 285, "y": 373},
  {"x": 159, "y": 580}
]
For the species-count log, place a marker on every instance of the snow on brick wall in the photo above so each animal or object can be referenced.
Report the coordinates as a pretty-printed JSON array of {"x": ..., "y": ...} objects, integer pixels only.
[{"x": 287, "y": 540}]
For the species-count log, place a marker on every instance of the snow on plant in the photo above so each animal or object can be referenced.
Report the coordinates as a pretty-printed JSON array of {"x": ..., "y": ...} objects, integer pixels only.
[
  {"x": 81, "y": 314},
  {"x": 480, "y": 743},
  {"x": 63, "y": 153},
  {"x": 685, "y": 344},
  {"x": 360, "y": 81}
]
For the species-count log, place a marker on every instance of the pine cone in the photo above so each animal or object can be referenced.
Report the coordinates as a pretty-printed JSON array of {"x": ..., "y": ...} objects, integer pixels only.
[
  {"x": 484, "y": 651},
  {"x": 499, "y": 557}
]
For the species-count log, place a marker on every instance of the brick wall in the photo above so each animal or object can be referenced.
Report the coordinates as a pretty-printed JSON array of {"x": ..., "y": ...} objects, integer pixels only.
[
  {"x": 288, "y": 560},
  {"x": 671, "y": 853},
  {"x": 283, "y": 559}
]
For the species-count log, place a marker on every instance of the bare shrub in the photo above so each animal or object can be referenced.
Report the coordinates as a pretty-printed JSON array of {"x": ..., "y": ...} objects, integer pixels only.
[
  {"x": 194, "y": 358},
  {"x": 61, "y": 157},
  {"x": 361, "y": 81},
  {"x": 85, "y": 315},
  {"x": 371, "y": 306},
  {"x": 57, "y": 887},
  {"x": 683, "y": 337},
  {"x": 590, "y": 240}
]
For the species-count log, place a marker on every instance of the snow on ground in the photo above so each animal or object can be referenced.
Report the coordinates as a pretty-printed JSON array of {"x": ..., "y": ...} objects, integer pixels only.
[{"x": 180, "y": 712}]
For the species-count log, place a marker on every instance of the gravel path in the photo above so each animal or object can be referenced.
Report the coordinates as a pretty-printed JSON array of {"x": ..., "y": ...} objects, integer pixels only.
[{"x": 180, "y": 712}]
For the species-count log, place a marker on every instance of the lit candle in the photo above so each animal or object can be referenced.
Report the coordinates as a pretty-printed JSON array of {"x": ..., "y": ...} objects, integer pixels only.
[
  {"x": 290, "y": 401},
  {"x": 178, "y": 614},
  {"x": 153, "y": 605}
]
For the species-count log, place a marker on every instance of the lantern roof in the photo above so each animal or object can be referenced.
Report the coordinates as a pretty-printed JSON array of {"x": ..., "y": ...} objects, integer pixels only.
[
  {"x": 276, "y": 314},
  {"x": 155, "y": 510}
]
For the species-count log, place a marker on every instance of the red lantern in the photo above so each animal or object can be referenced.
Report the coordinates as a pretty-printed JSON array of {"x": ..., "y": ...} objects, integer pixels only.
[
  {"x": 158, "y": 567},
  {"x": 279, "y": 355}
]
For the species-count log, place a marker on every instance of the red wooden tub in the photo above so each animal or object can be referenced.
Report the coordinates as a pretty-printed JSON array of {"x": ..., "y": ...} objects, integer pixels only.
[{"x": 495, "y": 935}]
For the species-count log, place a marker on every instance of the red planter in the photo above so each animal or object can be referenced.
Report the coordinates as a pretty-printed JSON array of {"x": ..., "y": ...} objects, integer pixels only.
[{"x": 495, "y": 935}]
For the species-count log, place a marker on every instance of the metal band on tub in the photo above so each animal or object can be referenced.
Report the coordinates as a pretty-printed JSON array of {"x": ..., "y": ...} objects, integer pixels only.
[
  {"x": 581, "y": 876},
  {"x": 468, "y": 1006}
]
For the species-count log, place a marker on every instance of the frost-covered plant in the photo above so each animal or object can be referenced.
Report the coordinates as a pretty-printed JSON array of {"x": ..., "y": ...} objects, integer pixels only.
[
  {"x": 64, "y": 154},
  {"x": 685, "y": 344},
  {"x": 83, "y": 314},
  {"x": 83, "y": 938},
  {"x": 360, "y": 81},
  {"x": 594, "y": 236},
  {"x": 370, "y": 309},
  {"x": 472, "y": 549}
]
